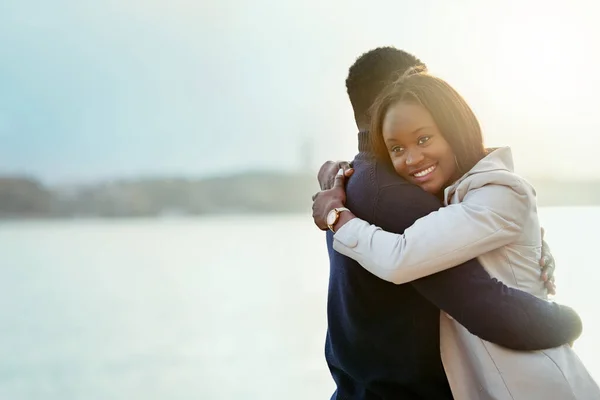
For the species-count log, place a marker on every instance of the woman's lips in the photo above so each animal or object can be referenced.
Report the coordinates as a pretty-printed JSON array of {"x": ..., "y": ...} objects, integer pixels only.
[{"x": 424, "y": 174}]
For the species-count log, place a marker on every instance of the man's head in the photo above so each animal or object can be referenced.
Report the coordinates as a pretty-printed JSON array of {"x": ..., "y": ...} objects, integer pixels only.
[{"x": 371, "y": 72}]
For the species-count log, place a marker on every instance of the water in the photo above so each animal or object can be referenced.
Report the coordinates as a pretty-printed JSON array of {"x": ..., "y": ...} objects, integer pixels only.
[{"x": 213, "y": 308}]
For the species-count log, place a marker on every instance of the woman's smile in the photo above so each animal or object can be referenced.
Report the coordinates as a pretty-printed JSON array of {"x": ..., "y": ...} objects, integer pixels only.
[{"x": 423, "y": 174}]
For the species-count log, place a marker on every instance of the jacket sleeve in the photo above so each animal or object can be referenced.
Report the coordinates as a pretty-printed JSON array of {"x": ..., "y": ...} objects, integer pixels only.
[
  {"x": 485, "y": 306},
  {"x": 488, "y": 218}
]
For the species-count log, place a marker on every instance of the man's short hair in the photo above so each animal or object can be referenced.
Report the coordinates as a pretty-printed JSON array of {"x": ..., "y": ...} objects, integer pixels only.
[{"x": 371, "y": 72}]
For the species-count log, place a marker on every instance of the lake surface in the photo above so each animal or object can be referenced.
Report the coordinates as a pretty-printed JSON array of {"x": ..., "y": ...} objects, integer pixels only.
[{"x": 208, "y": 308}]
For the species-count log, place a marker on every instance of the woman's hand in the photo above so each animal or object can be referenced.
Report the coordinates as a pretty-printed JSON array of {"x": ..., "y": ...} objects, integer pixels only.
[
  {"x": 326, "y": 200},
  {"x": 329, "y": 170}
]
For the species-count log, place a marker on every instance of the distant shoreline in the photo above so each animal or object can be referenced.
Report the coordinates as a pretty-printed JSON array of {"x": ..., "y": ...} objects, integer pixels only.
[{"x": 251, "y": 193}]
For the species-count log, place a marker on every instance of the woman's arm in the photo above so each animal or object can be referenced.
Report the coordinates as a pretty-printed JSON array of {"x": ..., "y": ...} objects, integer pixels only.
[{"x": 488, "y": 218}]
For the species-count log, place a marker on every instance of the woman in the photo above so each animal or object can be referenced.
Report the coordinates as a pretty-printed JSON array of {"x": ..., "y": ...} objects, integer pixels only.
[{"x": 432, "y": 138}]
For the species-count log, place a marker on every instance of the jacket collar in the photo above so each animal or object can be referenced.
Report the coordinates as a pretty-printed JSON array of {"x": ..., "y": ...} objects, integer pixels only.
[{"x": 497, "y": 159}]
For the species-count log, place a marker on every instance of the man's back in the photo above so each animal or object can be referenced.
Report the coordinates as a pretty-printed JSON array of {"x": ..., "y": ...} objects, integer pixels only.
[{"x": 383, "y": 339}]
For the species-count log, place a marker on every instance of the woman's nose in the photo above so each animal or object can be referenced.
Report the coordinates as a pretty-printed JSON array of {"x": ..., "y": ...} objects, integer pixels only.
[{"x": 414, "y": 157}]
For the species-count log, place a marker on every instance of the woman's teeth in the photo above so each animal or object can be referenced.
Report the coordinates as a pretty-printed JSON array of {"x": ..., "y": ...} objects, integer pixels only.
[{"x": 425, "y": 172}]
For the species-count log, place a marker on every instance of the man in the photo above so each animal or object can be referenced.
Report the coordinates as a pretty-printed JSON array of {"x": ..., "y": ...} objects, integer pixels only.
[{"x": 383, "y": 339}]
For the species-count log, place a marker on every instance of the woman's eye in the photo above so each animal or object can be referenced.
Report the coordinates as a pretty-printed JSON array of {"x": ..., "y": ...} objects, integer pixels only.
[
  {"x": 424, "y": 139},
  {"x": 397, "y": 149}
]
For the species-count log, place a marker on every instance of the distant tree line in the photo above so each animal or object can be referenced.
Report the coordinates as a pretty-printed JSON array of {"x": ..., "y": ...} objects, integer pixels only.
[
  {"x": 244, "y": 193},
  {"x": 260, "y": 192}
]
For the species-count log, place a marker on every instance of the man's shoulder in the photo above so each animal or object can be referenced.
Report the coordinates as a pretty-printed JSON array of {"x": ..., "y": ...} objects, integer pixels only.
[
  {"x": 377, "y": 180},
  {"x": 380, "y": 196},
  {"x": 375, "y": 189},
  {"x": 372, "y": 173}
]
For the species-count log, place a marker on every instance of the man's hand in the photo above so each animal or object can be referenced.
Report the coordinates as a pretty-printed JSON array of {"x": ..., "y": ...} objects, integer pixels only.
[
  {"x": 326, "y": 200},
  {"x": 548, "y": 266},
  {"x": 329, "y": 170}
]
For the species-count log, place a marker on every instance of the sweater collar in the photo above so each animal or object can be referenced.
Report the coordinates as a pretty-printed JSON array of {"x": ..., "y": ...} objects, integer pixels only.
[{"x": 364, "y": 143}]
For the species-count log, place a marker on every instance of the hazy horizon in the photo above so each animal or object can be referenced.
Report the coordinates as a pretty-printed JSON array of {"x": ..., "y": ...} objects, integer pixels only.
[{"x": 126, "y": 88}]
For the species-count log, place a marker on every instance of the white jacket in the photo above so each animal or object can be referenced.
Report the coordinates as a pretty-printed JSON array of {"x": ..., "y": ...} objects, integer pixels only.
[{"x": 491, "y": 214}]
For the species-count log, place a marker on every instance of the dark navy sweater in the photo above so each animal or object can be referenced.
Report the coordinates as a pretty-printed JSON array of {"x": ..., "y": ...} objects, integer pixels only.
[{"x": 383, "y": 339}]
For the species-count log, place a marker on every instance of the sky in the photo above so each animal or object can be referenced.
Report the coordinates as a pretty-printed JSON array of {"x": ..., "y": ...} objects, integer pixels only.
[{"x": 121, "y": 88}]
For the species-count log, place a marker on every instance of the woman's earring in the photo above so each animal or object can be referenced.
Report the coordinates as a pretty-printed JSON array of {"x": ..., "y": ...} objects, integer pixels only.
[{"x": 457, "y": 164}]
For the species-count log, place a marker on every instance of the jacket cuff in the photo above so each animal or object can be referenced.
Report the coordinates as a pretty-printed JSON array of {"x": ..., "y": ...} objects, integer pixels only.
[{"x": 348, "y": 235}]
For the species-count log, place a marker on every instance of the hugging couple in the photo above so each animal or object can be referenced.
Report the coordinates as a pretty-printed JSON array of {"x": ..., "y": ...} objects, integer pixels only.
[{"x": 439, "y": 274}]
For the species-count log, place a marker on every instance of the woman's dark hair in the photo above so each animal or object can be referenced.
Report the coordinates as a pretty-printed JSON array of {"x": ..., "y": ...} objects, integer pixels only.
[{"x": 451, "y": 113}]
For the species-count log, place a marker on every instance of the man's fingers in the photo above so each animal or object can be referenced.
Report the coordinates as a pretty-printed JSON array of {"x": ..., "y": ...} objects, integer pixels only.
[
  {"x": 546, "y": 254},
  {"x": 339, "y": 179},
  {"x": 346, "y": 168},
  {"x": 547, "y": 272},
  {"x": 548, "y": 267},
  {"x": 344, "y": 165},
  {"x": 326, "y": 165},
  {"x": 551, "y": 287},
  {"x": 325, "y": 175}
]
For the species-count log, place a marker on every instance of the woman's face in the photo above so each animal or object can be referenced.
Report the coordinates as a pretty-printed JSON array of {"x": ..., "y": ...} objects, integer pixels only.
[{"x": 418, "y": 150}]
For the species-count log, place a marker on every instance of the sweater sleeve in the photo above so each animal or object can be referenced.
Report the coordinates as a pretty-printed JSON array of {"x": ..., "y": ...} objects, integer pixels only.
[{"x": 487, "y": 218}]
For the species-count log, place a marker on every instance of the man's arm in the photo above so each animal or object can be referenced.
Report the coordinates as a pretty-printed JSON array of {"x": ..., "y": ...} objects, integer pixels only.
[
  {"x": 485, "y": 306},
  {"x": 499, "y": 314}
]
